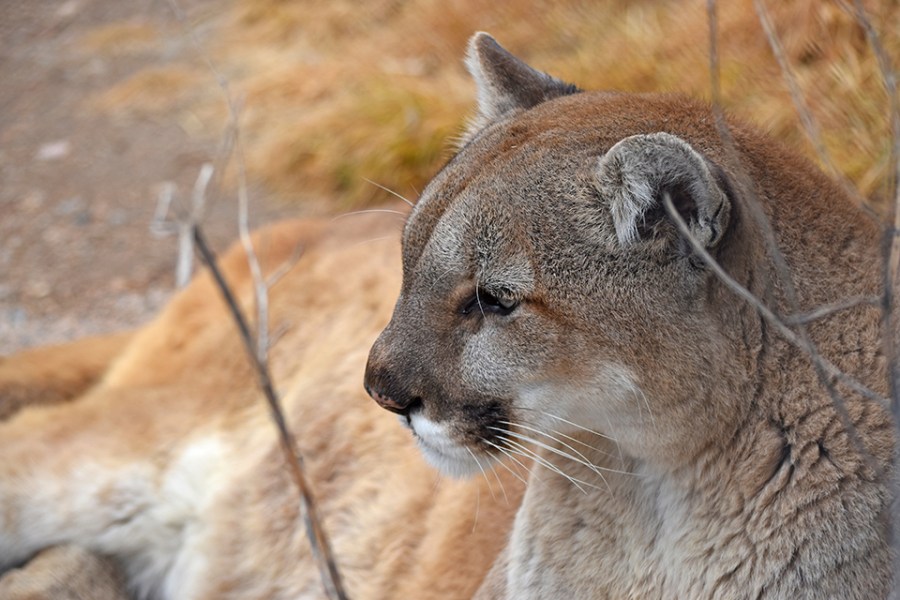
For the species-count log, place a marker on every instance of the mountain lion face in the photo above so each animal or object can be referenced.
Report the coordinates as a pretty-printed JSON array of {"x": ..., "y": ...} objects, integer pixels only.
[{"x": 547, "y": 289}]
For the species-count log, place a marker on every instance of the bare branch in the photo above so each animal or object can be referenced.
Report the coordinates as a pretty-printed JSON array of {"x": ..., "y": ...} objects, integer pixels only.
[
  {"x": 809, "y": 123},
  {"x": 258, "y": 347},
  {"x": 890, "y": 247},
  {"x": 792, "y": 337},
  {"x": 164, "y": 225},
  {"x": 283, "y": 269},
  {"x": 826, "y": 310},
  {"x": 826, "y": 372},
  {"x": 891, "y": 251},
  {"x": 319, "y": 544}
]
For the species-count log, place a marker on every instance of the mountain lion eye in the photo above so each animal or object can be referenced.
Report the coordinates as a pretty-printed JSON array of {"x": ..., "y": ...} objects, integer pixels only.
[{"x": 486, "y": 302}]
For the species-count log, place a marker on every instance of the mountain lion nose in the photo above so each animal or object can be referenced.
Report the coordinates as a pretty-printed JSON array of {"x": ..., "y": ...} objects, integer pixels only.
[
  {"x": 404, "y": 406},
  {"x": 387, "y": 378}
]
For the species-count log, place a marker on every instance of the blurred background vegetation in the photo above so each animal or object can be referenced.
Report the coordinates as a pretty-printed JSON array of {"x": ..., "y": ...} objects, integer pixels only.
[{"x": 337, "y": 94}]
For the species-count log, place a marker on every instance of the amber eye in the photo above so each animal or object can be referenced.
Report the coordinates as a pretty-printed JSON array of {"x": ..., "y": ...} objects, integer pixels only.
[{"x": 485, "y": 302}]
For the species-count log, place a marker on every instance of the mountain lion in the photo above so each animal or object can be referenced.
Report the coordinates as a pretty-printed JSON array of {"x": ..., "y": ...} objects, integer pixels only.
[{"x": 634, "y": 428}]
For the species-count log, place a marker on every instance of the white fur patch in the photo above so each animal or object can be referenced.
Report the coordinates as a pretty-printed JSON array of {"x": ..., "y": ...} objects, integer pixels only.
[
  {"x": 440, "y": 450},
  {"x": 160, "y": 539},
  {"x": 146, "y": 516}
]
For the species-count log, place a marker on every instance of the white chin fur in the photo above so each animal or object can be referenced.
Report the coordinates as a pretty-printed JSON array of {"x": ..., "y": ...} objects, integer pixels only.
[{"x": 441, "y": 452}]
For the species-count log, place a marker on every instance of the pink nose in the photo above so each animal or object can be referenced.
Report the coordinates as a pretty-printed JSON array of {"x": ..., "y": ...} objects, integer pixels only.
[{"x": 386, "y": 402}]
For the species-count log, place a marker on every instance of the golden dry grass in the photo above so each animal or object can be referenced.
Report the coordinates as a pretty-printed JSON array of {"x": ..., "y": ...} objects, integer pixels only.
[{"x": 335, "y": 93}]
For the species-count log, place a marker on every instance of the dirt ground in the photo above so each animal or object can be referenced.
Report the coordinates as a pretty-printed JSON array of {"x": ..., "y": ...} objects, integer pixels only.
[{"x": 78, "y": 188}]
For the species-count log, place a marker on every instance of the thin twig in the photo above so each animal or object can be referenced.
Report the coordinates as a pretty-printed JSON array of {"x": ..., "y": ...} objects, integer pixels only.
[
  {"x": 171, "y": 218},
  {"x": 891, "y": 253},
  {"x": 258, "y": 347},
  {"x": 823, "y": 367},
  {"x": 185, "y": 239},
  {"x": 319, "y": 544},
  {"x": 807, "y": 120},
  {"x": 826, "y": 310},
  {"x": 826, "y": 372},
  {"x": 792, "y": 337},
  {"x": 890, "y": 249},
  {"x": 260, "y": 291}
]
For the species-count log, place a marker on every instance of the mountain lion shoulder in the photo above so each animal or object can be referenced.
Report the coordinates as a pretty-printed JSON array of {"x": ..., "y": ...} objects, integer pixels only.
[{"x": 615, "y": 420}]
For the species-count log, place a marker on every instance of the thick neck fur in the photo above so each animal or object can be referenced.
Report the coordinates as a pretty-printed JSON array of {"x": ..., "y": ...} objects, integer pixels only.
[{"x": 761, "y": 504}]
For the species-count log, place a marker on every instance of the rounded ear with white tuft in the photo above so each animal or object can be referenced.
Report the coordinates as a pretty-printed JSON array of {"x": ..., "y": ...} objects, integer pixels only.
[
  {"x": 506, "y": 83},
  {"x": 639, "y": 171}
]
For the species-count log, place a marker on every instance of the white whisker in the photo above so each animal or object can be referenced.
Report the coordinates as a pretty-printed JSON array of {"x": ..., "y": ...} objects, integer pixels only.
[
  {"x": 390, "y": 191},
  {"x": 511, "y": 457},
  {"x": 370, "y": 240},
  {"x": 502, "y": 487},
  {"x": 478, "y": 301},
  {"x": 618, "y": 447},
  {"x": 369, "y": 211},
  {"x": 514, "y": 449},
  {"x": 582, "y": 461},
  {"x": 580, "y": 458},
  {"x": 477, "y": 507},
  {"x": 643, "y": 396},
  {"x": 486, "y": 480},
  {"x": 581, "y": 427},
  {"x": 441, "y": 276},
  {"x": 581, "y": 443},
  {"x": 528, "y": 453}
]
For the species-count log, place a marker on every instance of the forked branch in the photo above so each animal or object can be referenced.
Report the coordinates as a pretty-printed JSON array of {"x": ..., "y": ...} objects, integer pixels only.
[
  {"x": 827, "y": 373},
  {"x": 258, "y": 346}
]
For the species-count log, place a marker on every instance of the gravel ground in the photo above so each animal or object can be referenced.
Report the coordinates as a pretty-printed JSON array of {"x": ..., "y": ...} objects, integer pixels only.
[{"x": 78, "y": 188}]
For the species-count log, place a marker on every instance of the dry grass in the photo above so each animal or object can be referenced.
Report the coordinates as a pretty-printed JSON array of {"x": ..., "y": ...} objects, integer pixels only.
[{"x": 338, "y": 92}]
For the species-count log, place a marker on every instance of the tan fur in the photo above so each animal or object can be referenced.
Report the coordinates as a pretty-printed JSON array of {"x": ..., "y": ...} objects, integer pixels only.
[
  {"x": 539, "y": 278},
  {"x": 64, "y": 573},
  {"x": 75, "y": 472},
  {"x": 49, "y": 375}
]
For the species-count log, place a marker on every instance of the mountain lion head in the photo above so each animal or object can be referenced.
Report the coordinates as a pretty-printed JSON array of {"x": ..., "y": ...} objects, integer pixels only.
[{"x": 547, "y": 288}]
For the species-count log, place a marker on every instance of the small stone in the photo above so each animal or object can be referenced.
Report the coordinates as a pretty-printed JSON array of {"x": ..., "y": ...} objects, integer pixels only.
[
  {"x": 70, "y": 206},
  {"x": 37, "y": 289},
  {"x": 33, "y": 201},
  {"x": 67, "y": 9},
  {"x": 54, "y": 150},
  {"x": 83, "y": 218}
]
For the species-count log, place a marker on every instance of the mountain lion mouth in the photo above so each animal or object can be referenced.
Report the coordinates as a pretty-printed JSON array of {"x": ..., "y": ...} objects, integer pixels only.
[{"x": 443, "y": 452}]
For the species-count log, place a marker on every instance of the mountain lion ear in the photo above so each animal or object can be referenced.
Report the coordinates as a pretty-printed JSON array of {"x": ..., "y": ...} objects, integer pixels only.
[
  {"x": 638, "y": 171},
  {"x": 505, "y": 82}
]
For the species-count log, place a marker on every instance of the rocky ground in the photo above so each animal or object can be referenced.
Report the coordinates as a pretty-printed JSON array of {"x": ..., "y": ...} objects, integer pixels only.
[{"x": 78, "y": 186}]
